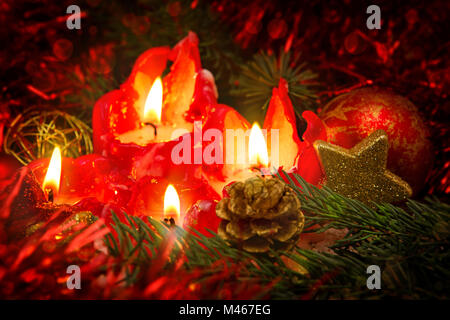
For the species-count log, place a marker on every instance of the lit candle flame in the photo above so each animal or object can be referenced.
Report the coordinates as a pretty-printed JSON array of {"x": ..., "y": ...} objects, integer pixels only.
[
  {"x": 53, "y": 177},
  {"x": 171, "y": 203},
  {"x": 153, "y": 103},
  {"x": 257, "y": 148}
]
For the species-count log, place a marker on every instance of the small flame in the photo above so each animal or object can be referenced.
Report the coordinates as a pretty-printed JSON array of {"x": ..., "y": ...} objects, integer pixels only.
[
  {"x": 153, "y": 103},
  {"x": 257, "y": 149},
  {"x": 171, "y": 203},
  {"x": 53, "y": 176}
]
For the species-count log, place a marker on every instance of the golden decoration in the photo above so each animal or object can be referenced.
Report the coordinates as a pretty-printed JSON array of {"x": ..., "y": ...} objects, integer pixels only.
[
  {"x": 34, "y": 133},
  {"x": 360, "y": 172},
  {"x": 260, "y": 214}
]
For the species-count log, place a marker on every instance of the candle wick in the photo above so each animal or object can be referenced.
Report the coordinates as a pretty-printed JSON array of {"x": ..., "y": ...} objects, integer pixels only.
[
  {"x": 152, "y": 125},
  {"x": 50, "y": 195},
  {"x": 170, "y": 221},
  {"x": 257, "y": 169}
]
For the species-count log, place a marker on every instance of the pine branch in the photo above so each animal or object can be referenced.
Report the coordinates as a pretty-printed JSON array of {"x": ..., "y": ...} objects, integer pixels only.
[
  {"x": 410, "y": 246},
  {"x": 260, "y": 75},
  {"x": 89, "y": 89}
]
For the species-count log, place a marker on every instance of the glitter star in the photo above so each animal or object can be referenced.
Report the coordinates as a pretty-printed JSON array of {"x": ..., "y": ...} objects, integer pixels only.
[{"x": 360, "y": 172}]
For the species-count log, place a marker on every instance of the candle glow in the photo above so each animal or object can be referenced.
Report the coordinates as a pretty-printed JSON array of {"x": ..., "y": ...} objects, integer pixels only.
[
  {"x": 153, "y": 103},
  {"x": 171, "y": 203},
  {"x": 257, "y": 148},
  {"x": 53, "y": 177}
]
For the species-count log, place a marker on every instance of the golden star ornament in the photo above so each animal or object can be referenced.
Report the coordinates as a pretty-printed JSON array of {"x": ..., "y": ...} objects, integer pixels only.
[{"x": 360, "y": 172}]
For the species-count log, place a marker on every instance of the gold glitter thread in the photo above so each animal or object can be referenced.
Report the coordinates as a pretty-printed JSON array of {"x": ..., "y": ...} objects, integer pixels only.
[{"x": 360, "y": 172}]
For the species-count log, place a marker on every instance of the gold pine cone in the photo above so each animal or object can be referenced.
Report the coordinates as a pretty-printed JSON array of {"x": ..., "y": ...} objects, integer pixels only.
[{"x": 260, "y": 214}]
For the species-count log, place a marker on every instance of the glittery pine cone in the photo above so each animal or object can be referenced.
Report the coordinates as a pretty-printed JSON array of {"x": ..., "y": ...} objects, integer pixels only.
[{"x": 260, "y": 214}]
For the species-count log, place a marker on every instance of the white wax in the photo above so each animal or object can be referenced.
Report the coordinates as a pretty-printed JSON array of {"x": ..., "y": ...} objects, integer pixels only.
[{"x": 146, "y": 135}]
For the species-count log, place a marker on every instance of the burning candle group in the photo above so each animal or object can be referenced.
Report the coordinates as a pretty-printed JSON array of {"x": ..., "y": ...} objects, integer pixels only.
[
  {"x": 152, "y": 129},
  {"x": 52, "y": 180},
  {"x": 258, "y": 159},
  {"x": 138, "y": 129}
]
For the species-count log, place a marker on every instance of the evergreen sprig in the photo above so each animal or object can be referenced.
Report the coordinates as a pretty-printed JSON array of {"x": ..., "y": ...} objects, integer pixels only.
[
  {"x": 409, "y": 244},
  {"x": 263, "y": 72}
]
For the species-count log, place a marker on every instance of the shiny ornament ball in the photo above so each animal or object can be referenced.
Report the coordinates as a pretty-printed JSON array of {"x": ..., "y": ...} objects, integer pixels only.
[{"x": 351, "y": 117}]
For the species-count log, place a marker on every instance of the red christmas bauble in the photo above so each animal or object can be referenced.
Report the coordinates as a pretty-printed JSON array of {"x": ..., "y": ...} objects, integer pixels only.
[
  {"x": 351, "y": 117},
  {"x": 202, "y": 215}
]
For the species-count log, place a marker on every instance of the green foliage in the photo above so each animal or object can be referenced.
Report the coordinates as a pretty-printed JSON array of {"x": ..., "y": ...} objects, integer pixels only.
[
  {"x": 90, "y": 89},
  {"x": 411, "y": 246},
  {"x": 261, "y": 74}
]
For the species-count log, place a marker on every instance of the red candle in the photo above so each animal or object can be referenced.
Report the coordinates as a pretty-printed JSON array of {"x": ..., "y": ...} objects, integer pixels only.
[
  {"x": 125, "y": 121},
  {"x": 256, "y": 158},
  {"x": 225, "y": 118},
  {"x": 296, "y": 155},
  {"x": 284, "y": 148},
  {"x": 149, "y": 192},
  {"x": 88, "y": 176}
]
